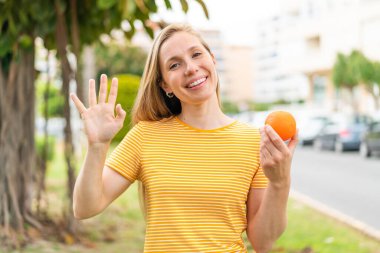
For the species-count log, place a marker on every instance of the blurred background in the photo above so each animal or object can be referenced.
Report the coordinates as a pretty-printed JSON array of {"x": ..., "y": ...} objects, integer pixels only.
[{"x": 319, "y": 60}]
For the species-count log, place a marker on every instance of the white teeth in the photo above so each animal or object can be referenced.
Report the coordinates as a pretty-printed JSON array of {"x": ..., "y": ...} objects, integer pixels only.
[{"x": 197, "y": 82}]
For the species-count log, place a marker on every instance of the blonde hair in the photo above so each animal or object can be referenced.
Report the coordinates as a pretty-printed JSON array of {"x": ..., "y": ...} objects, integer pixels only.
[{"x": 151, "y": 103}]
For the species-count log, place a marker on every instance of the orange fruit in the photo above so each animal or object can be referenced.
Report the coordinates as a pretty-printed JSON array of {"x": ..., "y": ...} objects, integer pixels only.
[{"x": 283, "y": 123}]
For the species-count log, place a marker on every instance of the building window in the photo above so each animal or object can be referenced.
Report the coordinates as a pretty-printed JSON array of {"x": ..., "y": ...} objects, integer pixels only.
[
  {"x": 319, "y": 89},
  {"x": 314, "y": 42}
]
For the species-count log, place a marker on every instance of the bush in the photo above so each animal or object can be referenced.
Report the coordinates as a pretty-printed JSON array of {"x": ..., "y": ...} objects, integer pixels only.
[
  {"x": 127, "y": 92},
  {"x": 230, "y": 107},
  {"x": 260, "y": 106}
]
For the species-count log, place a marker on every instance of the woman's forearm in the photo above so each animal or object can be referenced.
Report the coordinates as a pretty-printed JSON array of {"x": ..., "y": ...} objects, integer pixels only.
[
  {"x": 88, "y": 190},
  {"x": 270, "y": 220}
]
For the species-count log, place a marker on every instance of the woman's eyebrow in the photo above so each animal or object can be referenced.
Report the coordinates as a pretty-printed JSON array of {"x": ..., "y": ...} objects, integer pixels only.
[{"x": 176, "y": 57}]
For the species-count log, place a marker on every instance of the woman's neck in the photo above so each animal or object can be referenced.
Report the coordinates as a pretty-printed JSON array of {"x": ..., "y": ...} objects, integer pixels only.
[{"x": 204, "y": 116}]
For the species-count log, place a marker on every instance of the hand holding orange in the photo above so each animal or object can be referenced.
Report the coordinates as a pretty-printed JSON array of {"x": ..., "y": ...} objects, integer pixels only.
[{"x": 283, "y": 123}]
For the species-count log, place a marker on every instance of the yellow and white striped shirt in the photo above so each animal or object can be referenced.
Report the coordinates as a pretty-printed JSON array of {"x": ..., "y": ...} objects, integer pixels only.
[{"x": 196, "y": 182}]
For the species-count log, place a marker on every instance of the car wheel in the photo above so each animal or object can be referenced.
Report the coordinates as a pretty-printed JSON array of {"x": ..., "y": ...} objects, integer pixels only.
[
  {"x": 339, "y": 148},
  {"x": 364, "y": 151}
]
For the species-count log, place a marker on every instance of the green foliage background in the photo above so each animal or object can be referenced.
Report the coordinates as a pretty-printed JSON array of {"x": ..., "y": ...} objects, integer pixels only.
[
  {"x": 113, "y": 58},
  {"x": 40, "y": 145},
  {"x": 230, "y": 107},
  {"x": 353, "y": 69},
  {"x": 127, "y": 92},
  {"x": 55, "y": 100}
]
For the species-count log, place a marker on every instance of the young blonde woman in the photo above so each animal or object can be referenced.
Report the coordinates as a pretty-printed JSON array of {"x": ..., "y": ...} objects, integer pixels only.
[{"x": 207, "y": 178}]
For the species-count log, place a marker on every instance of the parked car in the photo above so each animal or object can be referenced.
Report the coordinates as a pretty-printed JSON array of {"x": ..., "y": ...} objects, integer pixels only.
[
  {"x": 342, "y": 133},
  {"x": 309, "y": 129},
  {"x": 371, "y": 140}
]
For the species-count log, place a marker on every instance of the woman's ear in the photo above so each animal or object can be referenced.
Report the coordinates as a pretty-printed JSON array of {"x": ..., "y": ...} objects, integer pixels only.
[
  {"x": 213, "y": 58},
  {"x": 165, "y": 87}
]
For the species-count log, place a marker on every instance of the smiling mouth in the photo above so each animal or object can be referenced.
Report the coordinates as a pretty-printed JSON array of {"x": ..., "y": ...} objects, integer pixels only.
[{"x": 197, "y": 83}]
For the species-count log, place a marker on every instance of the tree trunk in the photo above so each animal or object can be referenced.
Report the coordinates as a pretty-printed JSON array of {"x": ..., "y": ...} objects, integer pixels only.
[
  {"x": 354, "y": 103},
  {"x": 75, "y": 38},
  {"x": 62, "y": 42},
  {"x": 17, "y": 156},
  {"x": 42, "y": 163},
  {"x": 375, "y": 97}
]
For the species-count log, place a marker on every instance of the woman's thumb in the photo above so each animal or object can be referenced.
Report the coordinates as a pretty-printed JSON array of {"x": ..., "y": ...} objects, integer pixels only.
[{"x": 120, "y": 113}]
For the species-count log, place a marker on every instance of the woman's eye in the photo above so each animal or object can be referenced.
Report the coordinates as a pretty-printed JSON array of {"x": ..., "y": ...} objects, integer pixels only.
[
  {"x": 196, "y": 54},
  {"x": 173, "y": 66}
]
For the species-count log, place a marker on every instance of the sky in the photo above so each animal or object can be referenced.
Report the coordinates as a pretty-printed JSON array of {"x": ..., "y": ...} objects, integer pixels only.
[{"x": 236, "y": 19}]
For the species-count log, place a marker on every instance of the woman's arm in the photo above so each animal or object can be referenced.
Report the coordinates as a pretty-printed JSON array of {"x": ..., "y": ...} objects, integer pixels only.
[
  {"x": 266, "y": 208},
  {"x": 97, "y": 185}
]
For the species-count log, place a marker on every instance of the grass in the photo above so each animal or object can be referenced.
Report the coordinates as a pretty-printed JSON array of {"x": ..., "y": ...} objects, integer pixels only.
[
  {"x": 120, "y": 228},
  {"x": 310, "y": 229}
]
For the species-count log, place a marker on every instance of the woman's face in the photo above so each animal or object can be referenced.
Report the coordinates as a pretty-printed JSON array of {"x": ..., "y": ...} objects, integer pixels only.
[{"x": 187, "y": 68}]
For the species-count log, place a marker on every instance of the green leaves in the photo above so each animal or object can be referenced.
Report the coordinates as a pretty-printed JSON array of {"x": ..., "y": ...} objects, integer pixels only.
[
  {"x": 129, "y": 34},
  {"x": 23, "y": 20},
  {"x": 105, "y": 4},
  {"x": 5, "y": 45},
  {"x": 113, "y": 59},
  {"x": 376, "y": 74},
  {"x": 347, "y": 69},
  {"x": 128, "y": 8},
  {"x": 339, "y": 70},
  {"x": 149, "y": 30},
  {"x": 185, "y": 6},
  {"x": 152, "y": 6},
  {"x": 37, "y": 18},
  {"x": 204, "y": 7},
  {"x": 25, "y": 41},
  {"x": 141, "y": 5},
  {"x": 168, "y": 4},
  {"x": 351, "y": 70}
]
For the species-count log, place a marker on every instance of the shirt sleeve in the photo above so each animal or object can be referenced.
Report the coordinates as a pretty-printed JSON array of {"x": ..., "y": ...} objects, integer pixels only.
[
  {"x": 259, "y": 180},
  {"x": 126, "y": 157}
]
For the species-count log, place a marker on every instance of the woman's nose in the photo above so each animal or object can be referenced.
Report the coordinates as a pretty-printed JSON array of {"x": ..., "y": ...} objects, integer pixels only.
[{"x": 191, "y": 68}]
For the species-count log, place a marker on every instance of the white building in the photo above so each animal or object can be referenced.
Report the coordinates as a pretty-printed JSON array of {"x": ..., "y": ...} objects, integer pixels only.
[
  {"x": 273, "y": 81},
  {"x": 239, "y": 74},
  {"x": 297, "y": 49},
  {"x": 235, "y": 67}
]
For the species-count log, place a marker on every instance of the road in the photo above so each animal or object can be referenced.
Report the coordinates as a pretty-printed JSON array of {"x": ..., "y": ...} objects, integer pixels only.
[{"x": 345, "y": 182}]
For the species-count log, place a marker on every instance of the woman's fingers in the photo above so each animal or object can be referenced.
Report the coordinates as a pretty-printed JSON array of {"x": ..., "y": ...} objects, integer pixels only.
[
  {"x": 103, "y": 89},
  {"x": 78, "y": 104},
  {"x": 91, "y": 93},
  {"x": 274, "y": 138},
  {"x": 273, "y": 145},
  {"x": 265, "y": 156},
  {"x": 113, "y": 92},
  {"x": 266, "y": 143}
]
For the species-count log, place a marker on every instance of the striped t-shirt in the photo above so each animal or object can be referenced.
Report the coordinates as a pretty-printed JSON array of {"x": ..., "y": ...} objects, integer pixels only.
[{"x": 196, "y": 182}]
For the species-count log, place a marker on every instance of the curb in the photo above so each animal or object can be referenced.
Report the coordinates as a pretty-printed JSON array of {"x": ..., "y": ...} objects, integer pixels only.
[{"x": 337, "y": 215}]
